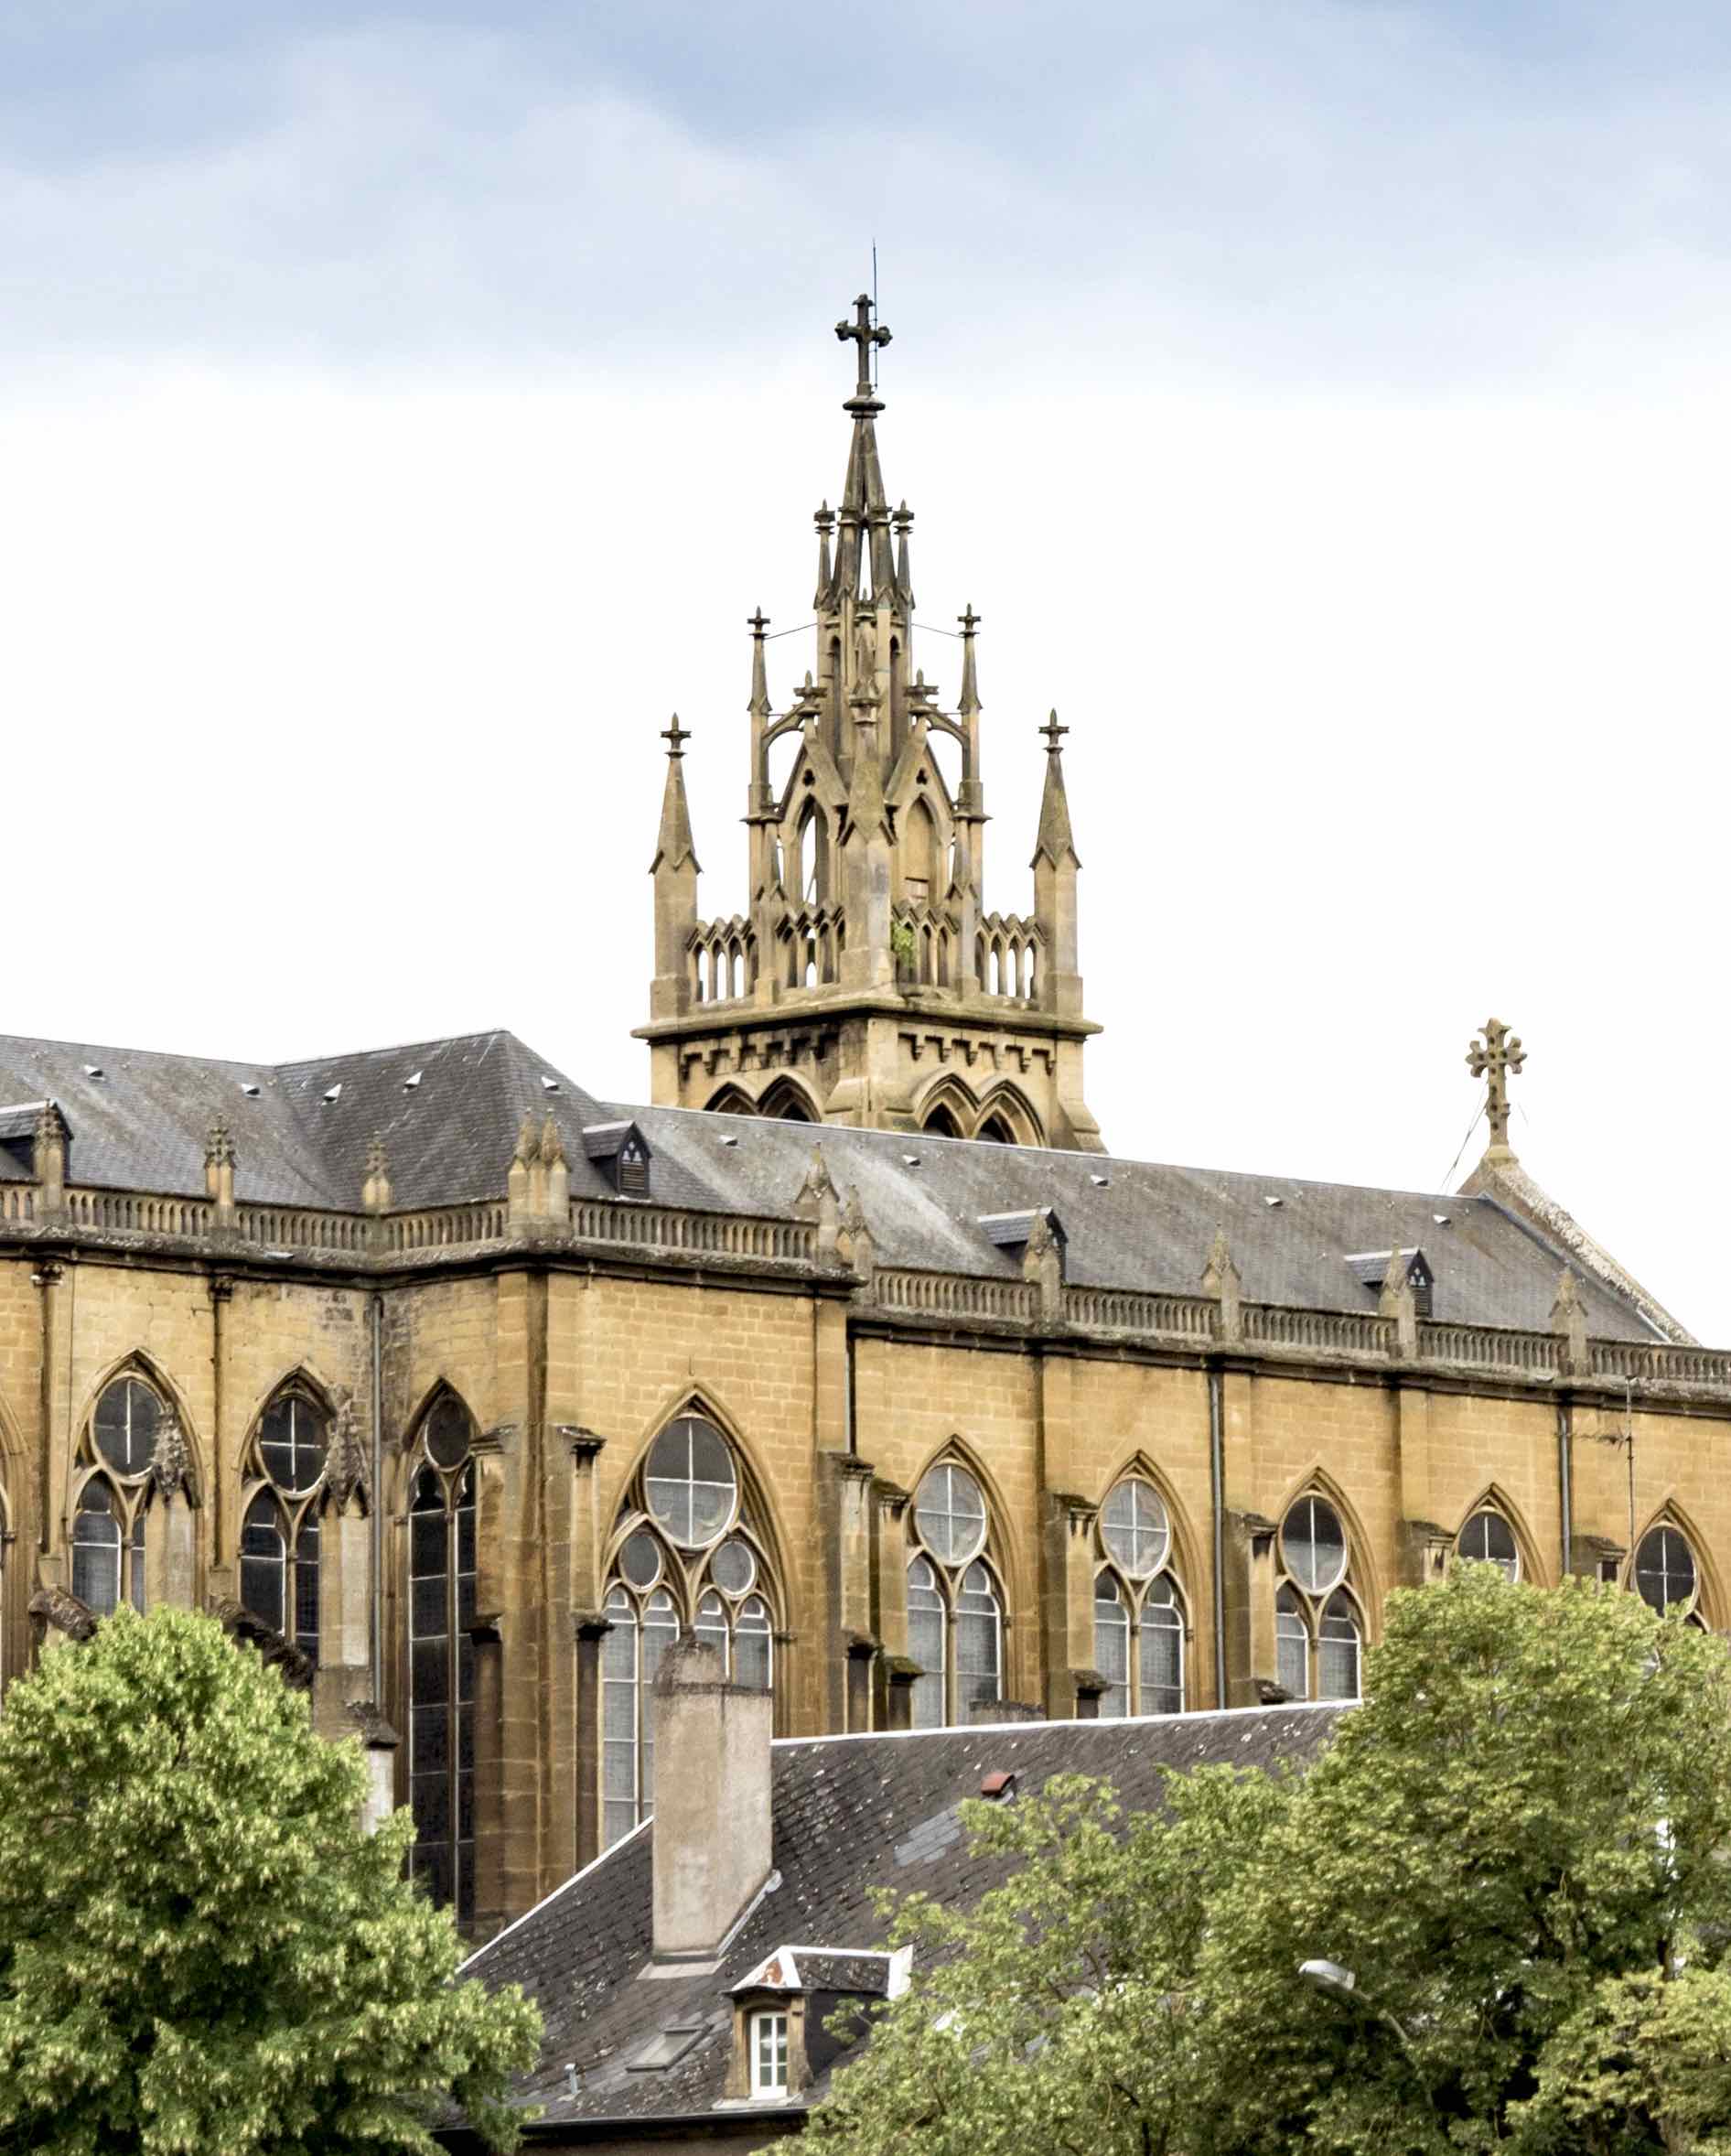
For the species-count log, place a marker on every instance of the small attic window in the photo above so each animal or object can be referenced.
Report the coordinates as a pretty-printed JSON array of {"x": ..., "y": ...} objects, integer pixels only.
[
  {"x": 621, "y": 1152},
  {"x": 998, "y": 1787},
  {"x": 666, "y": 2047},
  {"x": 1370, "y": 1269},
  {"x": 1274, "y": 1201},
  {"x": 549, "y": 1085},
  {"x": 911, "y": 1159},
  {"x": 730, "y": 1141},
  {"x": 332, "y": 1093},
  {"x": 1441, "y": 1219},
  {"x": 412, "y": 1081},
  {"x": 251, "y": 1091},
  {"x": 94, "y": 1071},
  {"x": 1100, "y": 1182},
  {"x": 1010, "y": 1230}
]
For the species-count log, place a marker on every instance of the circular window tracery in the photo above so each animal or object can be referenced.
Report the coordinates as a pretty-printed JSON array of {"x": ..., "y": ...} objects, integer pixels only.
[
  {"x": 1314, "y": 1544},
  {"x": 950, "y": 1513},
  {"x": 292, "y": 1443},
  {"x": 1135, "y": 1527},
  {"x": 640, "y": 1558},
  {"x": 1666, "y": 1577},
  {"x": 732, "y": 1568},
  {"x": 126, "y": 1424},
  {"x": 691, "y": 1485},
  {"x": 449, "y": 1432}
]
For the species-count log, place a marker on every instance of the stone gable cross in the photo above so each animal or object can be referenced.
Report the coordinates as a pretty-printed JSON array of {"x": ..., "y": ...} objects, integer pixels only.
[
  {"x": 865, "y": 337},
  {"x": 1493, "y": 1059}
]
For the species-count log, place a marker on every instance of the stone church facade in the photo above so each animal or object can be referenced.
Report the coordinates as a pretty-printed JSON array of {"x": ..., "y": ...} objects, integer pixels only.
[{"x": 464, "y": 1394}]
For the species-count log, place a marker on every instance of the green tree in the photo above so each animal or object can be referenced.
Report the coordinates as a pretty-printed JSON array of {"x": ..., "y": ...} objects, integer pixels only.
[
  {"x": 1519, "y": 1846},
  {"x": 201, "y": 1950}
]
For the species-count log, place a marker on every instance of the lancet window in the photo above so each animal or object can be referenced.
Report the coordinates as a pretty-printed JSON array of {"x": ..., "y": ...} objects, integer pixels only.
[
  {"x": 1488, "y": 1539},
  {"x": 955, "y": 1605},
  {"x": 442, "y": 1544},
  {"x": 689, "y": 1556},
  {"x": 1318, "y": 1628},
  {"x": 1140, "y": 1631},
  {"x": 281, "y": 1493},
  {"x": 116, "y": 1453}
]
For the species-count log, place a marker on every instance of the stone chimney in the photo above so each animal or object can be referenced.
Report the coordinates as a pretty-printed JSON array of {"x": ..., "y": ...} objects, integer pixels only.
[{"x": 710, "y": 1843}]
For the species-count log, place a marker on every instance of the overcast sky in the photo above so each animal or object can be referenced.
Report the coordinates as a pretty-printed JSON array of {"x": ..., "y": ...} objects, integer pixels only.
[{"x": 1322, "y": 405}]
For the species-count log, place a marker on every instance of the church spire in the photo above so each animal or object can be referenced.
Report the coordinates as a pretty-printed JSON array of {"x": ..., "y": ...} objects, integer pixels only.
[
  {"x": 675, "y": 871},
  {"x": 675, "y": 848},
  {"x": 1055, "y": 865}
]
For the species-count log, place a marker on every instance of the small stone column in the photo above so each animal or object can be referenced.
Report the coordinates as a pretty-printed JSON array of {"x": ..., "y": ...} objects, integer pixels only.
[
  {"x": 171, "y": 1529},
  {"x": 1252, "y": 1659},
  {"x": 344, "y": 1677}
]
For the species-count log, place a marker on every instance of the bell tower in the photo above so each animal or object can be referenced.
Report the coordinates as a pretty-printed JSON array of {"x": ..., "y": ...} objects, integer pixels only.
[{"x": 865, "y": 982}]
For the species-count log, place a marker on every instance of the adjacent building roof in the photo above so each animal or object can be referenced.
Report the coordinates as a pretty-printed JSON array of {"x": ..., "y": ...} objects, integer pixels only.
[
  {"x": 449, "y": 1112},
  {"x": 851, "y": 1814}
]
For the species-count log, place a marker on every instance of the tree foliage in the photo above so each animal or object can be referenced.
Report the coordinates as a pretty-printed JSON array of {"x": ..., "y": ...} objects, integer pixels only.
[
  {"x": 1519, "y": 1845},
  {"x": 200, "y": 1949}
]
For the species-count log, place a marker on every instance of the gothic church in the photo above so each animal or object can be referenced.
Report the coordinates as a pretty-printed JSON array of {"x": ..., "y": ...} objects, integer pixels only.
[{"x": 463, "y": 1394}]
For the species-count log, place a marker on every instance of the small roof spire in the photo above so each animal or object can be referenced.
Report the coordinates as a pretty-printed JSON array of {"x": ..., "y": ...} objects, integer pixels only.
[
  {"x": 675, "y": 848},
  {"x": 1055, "y": 840},
  {"x": 903, "y": 521},
  {"x": 757, "y": 622},
  {"x": 825, "y": 522},
  {"x": 969, "y": 701}
]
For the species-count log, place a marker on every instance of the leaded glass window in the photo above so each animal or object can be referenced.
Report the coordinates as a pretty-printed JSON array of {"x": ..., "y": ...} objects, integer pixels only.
[
  {"x": 688, "y": 1555},
  {"x": 442, "y": 1557},
  {"x": 1139, "y": 1632},
  {"x": 281, "y": 1492},
  {"x": 1318, "y": 1628},
  {"x": 112, "y": 1496},
  {"x": 955, "y": 1608}
]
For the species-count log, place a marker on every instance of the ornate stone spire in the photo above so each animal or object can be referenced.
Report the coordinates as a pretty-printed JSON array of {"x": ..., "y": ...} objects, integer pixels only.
[
  {"x": 218, "y": 1147},
  {"x": 673, "y": 847},
  {"x": 1054, "y": 840},
  {"x": 968, "y": 703},
  {"x": 1495, "y": 1058}
]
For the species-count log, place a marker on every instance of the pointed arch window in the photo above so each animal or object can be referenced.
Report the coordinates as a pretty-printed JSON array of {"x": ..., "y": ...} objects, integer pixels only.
[
  {"x": 1488, "y": 1539},
  {"x": 282, "y": 1489},
  {"x": 116, "y": 1453},
  {"x": 955, "y": 1605},
  {"x": 689, "y": 1555},
  {"x": 1319, "y": 1627},
  {"x": 1141, "y": 1634},
  {"x": 442, "y": 1545}
]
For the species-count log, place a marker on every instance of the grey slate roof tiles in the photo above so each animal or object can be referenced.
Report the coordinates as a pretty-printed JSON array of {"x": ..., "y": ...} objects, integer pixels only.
[
  {"x": 449, "y": 1139},
  {"x": 847, "y": 1811}
]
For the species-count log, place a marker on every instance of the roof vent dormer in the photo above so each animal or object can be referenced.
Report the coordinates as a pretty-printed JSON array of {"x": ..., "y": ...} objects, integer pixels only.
[
  {"x": 1370, "y": 1269},
  {"x": 1014, "y": 1231},
  {"x": 621, "y": 1152}
]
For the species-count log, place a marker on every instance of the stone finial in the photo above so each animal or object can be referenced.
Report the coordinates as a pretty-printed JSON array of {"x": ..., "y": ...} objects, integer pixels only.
[
  {"x": 218, "y": 1146},
  {"x": 53, "y": 1134},
  {"x": 1496, "y": 1058},
  {"x": 1221, "y": 1279},
  {"x": 375, "y": 1192},
  {"x": 528, "y": 1140},
  {"x": 218, "y": 1172},
  {"x": 1568, "y": 1321},
  {"x": 817, "y": 1193},
  {"x": 555, "y": 1173},
  {"x": 1043, "y": 1263},
  {"x": 1055, "y": 839},
  {"x": 171, "y": 1463},
  {"x": 854, "y": 1239},
  {"x": 1398, "y": 1302},
  {"x": 63, "y": 1613},
  {"x": 346, "y": 1471}
]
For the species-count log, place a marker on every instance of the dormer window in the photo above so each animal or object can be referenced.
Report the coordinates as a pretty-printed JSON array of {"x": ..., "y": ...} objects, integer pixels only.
[
  {"x": 621, "y": 1153},
  {"x": 1370, "y": 1269},
  {"x": 770, "y": 2052},
  {"x": 1012, "y": 1231}
]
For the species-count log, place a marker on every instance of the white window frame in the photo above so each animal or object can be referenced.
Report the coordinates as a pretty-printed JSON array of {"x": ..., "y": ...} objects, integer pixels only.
[{"x": 768, "y": 2024}]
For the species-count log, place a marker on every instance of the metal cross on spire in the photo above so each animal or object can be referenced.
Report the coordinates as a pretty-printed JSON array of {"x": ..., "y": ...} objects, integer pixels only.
[
  {"x": 865, "y": 334},
  {"x": 1494, "y": 1059}
]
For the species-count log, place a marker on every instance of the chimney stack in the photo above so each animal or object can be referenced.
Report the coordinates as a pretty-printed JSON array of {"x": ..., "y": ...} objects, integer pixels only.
[{"x": 712, "y": 1836}]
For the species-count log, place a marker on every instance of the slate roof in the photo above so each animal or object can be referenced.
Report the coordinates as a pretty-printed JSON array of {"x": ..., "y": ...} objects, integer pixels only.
[
  {"x": 1127, "y": 1223},
  {"x": 850, "y": 1814}
]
